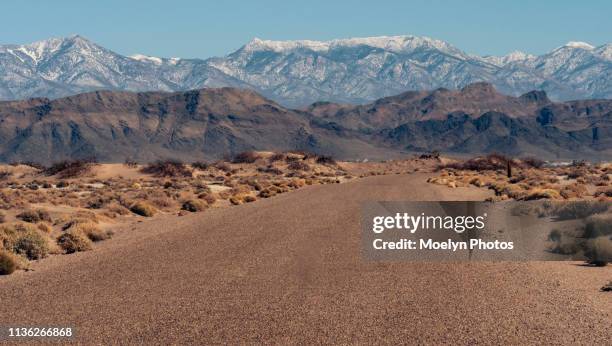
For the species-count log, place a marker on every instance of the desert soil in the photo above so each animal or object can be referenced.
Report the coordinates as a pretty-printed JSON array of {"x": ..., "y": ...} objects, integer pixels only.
[{"x": 289, "y": 270}]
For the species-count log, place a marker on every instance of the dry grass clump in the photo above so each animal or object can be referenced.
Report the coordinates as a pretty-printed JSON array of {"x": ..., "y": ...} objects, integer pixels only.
[
  {"x": 34, "y": 216},
  {"x": 91, "y": 231},
  {"x": 194, "y": 205},
  {"x": 246, "y": 157},
  {"x": 8, "y": 263},
  {"x": 143, "y": 209},
  {"x": 167, "y": 168},
  {"x": 69, "y": 169},
  {"x": 73, "y": 241}
]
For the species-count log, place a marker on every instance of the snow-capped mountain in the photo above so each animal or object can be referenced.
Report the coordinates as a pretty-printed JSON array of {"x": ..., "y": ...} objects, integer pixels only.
[{"x": 298, "y": 73}]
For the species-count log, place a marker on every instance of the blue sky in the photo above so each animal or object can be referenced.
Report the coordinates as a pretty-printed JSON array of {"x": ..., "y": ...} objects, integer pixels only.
[{"x": 202, "y": 29}]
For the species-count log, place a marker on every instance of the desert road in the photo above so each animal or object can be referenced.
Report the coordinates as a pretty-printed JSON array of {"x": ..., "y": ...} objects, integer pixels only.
[{"x": 288, "y": 270}]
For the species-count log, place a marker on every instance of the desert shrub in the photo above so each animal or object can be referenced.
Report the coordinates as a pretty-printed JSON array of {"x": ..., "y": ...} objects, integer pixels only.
[
  {"x": 200, "y": 165},
  {"x": 542, "y": 194},
  {"x": 267, "y": 193},
  {"x": 532, "y": 162},
  {"x": 593, "y": 240},
  {"x": 276, "y": 157},
  {"x": 24, "y": 239},
  {"x": 523, "y": 209},
  {"x": 491, "y": 162},
  {"x": 598, "y": 251},
  {"x": 117, "y": 209},
  {"x": 8, "y": 263},
  {"x": 193, "y": 205},
  {"x": 167, "y": 168},
  {"x": 143, "y": 209},
  {"x": 44, "y": 227},
  {"x": 246, "y": 157},
  {"x": 163, "y": 202},
  {"x": 34, "y": 216},
  {"x": 74, "y": 241},
  {"x": 576, "y": 173},
  {"x": 208, "y": 198},
  {"x": 598, "y": 225},
  {"x": 91, "y": 231},
  {"x": 223, "y": 166},
  {"x": 564, "y": 243},
  {"x": 325, "y": 160},
  {"x": 577, "y": 209},
  {"x": 130, "y": 163},
  {"x": 298, "y": 166},
  {"x": 4, "y": 175},
  {"x": 573, "y": 191},
  {"x": 69, "y": 168},
  {"x": 62, "y": 183},
  {"x": 270, "y": 170},
  {"x": 604, "y": 191}
]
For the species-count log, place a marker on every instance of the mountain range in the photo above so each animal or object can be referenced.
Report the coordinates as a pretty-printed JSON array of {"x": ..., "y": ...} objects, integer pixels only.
[
  {"x": 299, "y": 73},
  {"x": 209, "y": 123}
]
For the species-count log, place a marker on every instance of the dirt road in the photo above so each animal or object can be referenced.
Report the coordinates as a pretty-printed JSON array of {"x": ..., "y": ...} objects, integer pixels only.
[{"x": 289, "y": 270}]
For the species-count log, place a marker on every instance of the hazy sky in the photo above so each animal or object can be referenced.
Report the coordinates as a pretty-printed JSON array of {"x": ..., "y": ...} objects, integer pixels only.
[{"x": 202, "y": 29}]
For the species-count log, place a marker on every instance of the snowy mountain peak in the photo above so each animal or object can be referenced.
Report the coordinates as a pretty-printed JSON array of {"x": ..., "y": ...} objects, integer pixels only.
[
  {"x": 515, "y": 56},
  {"x": 146, "y": 58},
  {"x": 391, "y": 43},
  {"x": 352, "y": 70},
  {"x": 578, "y": 44}
]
